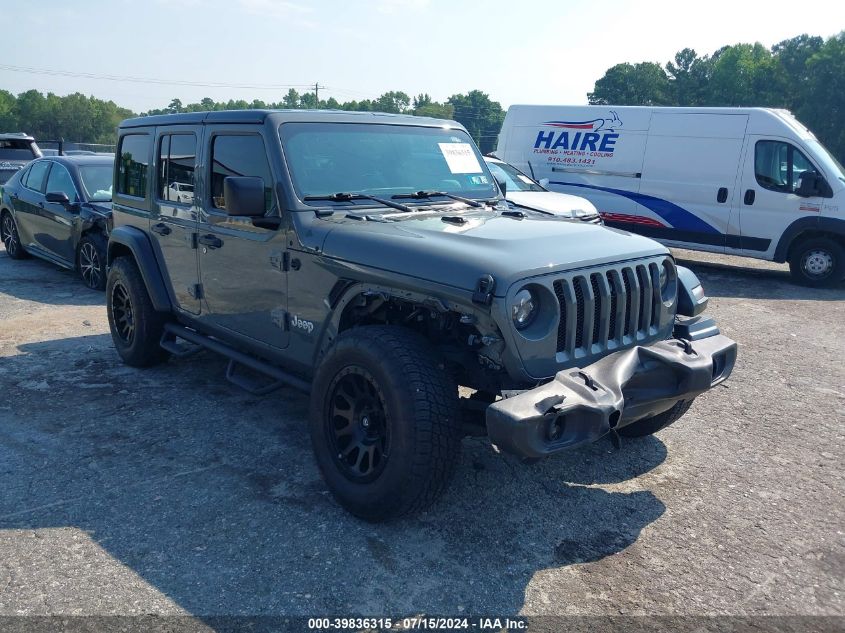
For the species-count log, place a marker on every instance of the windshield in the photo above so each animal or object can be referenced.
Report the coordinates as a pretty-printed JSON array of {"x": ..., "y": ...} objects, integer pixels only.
[
  {"x": 17, "y": 150},
  {"x": 382, "y": 160},
  {"x": 96, "y": 181},
  {"x": 829, "y": 163},
  {"x": 514, "y": 179}
]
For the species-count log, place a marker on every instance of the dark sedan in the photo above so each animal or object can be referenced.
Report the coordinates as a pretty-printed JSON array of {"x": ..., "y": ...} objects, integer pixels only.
[{"x": 59, "y": 209}]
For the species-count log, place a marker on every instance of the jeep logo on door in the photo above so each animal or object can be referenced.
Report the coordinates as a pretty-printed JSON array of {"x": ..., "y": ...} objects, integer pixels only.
[{"x": 302, "y": 324}]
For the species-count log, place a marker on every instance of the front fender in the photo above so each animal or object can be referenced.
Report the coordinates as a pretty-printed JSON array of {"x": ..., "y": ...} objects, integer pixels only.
[{"x": 134, "y": 240}]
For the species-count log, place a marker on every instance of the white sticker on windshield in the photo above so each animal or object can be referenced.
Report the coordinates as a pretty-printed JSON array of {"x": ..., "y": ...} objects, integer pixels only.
[
  {"x": 525, "y": 179},
  {"x": 460, "y": 158}
]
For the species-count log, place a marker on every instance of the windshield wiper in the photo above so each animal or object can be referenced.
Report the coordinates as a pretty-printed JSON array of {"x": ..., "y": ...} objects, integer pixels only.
[
  {"x": 344, "y": 196},
  {"x": 417, "y": 195}
]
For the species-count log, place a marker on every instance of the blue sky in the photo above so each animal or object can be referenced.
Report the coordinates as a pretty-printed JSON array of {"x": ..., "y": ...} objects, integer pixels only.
[{"x": 518, "y": 52}]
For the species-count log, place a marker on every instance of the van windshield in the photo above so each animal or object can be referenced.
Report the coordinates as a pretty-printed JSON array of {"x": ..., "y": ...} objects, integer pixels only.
[
  {"x": 382, "y": 160},
  {"x": 829, "y": 163}
]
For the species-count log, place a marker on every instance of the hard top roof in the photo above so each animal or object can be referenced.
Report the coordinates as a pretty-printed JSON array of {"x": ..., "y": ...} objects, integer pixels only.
[{"x": 282, "y": 116}]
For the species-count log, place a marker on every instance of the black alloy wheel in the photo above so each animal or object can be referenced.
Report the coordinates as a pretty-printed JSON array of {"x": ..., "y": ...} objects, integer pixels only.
[
  {"x": 357, "y": 425},
  {"x": 121, "y": 307}
]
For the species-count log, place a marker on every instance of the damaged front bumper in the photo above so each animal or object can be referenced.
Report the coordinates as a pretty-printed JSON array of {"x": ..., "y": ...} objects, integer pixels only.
[{"x": 580, "y": 405}]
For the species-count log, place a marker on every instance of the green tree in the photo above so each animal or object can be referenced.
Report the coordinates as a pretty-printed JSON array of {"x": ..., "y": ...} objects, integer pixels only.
[
  {"x": 481, "y": 116},
  {"x": 824, "y": 109},
  {"x": 645, "y": 83},
  {"x": 746, "y": 75}
]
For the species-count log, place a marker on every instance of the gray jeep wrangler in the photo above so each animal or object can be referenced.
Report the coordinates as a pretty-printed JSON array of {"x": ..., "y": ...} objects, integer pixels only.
[{"x": 371, "y": 259}]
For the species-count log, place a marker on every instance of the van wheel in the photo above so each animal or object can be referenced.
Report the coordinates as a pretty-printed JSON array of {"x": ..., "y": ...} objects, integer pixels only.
[
  {"x": 136, "y": 328},
  {"x": 818, "y": 262},
  {"x": 10, "y": 237},
  {"x": 91, "y": 260},
  {"x": 385, "y": 424},
  {"x": 649, "y": 426}
]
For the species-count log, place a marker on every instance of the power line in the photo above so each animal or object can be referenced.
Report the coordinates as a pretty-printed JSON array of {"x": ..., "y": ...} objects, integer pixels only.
[{"x": 149, "y": 80}]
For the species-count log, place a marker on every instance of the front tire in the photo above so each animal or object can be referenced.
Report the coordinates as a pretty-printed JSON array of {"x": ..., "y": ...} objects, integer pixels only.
[
  {"x": 10, "y": 237},
  {"x": 91, "y": 260},
  {"x": 818, "y": 262},
  {"x": 136, "y": 328},
  {"x": 650, "y": 426},
  {"x": 385, "y": 423}
]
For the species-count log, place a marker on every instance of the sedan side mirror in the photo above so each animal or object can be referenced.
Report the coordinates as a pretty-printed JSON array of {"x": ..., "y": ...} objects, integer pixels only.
[
  {"x": 809, "y": 184},
  {"x": 502, "y": 186},
  {"x": 59, "y": 197},
  {"x": 244, "y": 195},
  {"x": 544, "y": 183}
]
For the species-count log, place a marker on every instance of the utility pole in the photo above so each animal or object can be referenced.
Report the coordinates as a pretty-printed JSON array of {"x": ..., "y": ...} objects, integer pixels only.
[{"x": 317, "y": 87}]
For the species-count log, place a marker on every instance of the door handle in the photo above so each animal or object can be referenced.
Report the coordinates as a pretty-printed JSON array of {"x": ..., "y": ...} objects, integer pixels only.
[
  {"x": 212, "y": 241},
  {"x": 722, "y": 196},
  {"x": 749, "y": 197},
  {"x": 161, "y": 228}
]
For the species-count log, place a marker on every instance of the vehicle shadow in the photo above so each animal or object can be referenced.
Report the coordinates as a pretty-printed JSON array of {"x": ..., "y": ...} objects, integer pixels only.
[
  {"x": 37, "y": 280},
  {"x": 212, "y": 497},
  {"x": 731, "y": 280}
]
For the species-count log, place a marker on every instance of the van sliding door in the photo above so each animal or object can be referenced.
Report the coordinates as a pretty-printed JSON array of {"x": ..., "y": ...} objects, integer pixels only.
[{"x": 689, "y": 184}]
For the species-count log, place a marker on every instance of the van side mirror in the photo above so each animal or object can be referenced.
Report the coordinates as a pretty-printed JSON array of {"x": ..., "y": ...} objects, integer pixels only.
[
  {"x": 809, "y": 185},
  {"x": 59, "y": 197},
  {"x": 503, "y": 186},
  {"x": 244, "y": 195}
]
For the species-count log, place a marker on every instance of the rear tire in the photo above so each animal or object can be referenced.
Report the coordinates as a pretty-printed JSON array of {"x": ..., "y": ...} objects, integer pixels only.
[
  {"x": 91, "y": 260},
  {"x": 818, "y": 262},
  {"x": 385, "y": 423},
  {"x": 10, "y": 237},
  {"x": 136, "y": 328},
  {"x": 649, "y": 426}
]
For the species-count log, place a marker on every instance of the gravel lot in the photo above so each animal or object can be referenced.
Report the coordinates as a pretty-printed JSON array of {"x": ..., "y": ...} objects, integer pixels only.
[{"x": 170, "y": 491}]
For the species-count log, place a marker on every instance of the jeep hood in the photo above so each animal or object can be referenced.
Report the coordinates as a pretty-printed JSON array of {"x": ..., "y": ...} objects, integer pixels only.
[{"x": 436, "y": 246}]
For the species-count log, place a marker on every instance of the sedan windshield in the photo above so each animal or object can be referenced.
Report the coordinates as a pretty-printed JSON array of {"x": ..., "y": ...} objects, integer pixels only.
[
  {"x": 514, "y": 179},
  {"x": 382, "y": 160},
  {"x": 96, "y": 181}
]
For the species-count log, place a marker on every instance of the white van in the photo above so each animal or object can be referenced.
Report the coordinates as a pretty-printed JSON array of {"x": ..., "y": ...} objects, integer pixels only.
[{"x": 743, "y": 181}]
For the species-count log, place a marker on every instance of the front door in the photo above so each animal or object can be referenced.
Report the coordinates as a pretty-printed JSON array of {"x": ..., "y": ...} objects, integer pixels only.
[
  {"x": 770, "y": 178},
  {"x": 244, "y": 285},
  {"x": 173, "y": 222},
  {"x": 56, "y": 221}
]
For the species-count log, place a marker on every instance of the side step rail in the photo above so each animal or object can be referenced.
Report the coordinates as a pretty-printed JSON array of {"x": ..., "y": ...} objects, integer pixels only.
[{"x": 280, "y": 377}]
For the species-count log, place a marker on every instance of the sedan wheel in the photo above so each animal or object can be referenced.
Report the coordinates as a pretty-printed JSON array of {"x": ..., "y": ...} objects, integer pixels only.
[
  {"x": 92, "y": 261},
  {"x": 10, "y": 238}
]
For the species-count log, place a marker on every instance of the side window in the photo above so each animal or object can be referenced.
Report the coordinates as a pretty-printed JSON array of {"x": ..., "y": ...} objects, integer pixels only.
[
  {"x": 36, "y": 176},
  {"x": 239, "y": 156},
  {"x": 133, "y": 165},
  {"x": 778, "y": 166},
  {"x": 60, "y": 181},
  {"x": 177, "y": 160}
]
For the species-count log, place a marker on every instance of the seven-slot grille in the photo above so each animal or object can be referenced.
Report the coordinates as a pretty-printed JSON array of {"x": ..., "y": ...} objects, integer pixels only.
[{"x": 619, "y": 306}]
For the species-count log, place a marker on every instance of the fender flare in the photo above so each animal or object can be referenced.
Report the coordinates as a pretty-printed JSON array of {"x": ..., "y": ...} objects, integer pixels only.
[
  {"x": 833, "y": 226},
  {"x": 137, "y": 242}
]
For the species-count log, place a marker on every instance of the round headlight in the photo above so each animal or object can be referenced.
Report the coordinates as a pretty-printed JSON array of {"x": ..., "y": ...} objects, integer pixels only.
[
  {"x": 668, "y": 281},
  {"x": 524, "y": 308}
]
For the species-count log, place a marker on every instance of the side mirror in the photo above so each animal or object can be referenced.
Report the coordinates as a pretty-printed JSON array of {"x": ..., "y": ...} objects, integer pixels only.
[
  {"x": 502, "y": 186},
  {"x": 244, "y": 195},
  {"x": 808, "y": 185},
  {"x": 59, "y": 197},
  {"x": 544, "y": 183}
]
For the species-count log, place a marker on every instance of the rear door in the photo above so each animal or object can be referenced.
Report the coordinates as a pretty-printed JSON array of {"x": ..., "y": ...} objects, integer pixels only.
[
  {"x": 174, "y": 217},
  {"x": 28, "y": 199},
  {"x": 690, "y": 179},
  {"x": 244, "y": 283},
  {"x": 769, "y": 204}
]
